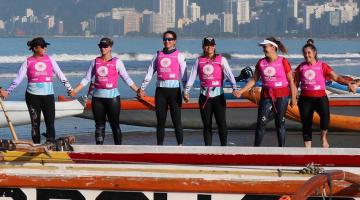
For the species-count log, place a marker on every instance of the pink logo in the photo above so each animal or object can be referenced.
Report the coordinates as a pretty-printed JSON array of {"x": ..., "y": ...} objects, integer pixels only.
[
  {"x": 269, "y": 71},
  {"x": 102, "y": 71},
  {"x": 165, "y": 62},
  {"x": 40, "y": 66},
  {"x": 208, "y": 69},
  {"x": 310, "y": 74}
]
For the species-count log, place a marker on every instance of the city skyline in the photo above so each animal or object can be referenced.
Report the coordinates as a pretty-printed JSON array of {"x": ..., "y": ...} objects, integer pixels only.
[{"x": 233, "y": 18}]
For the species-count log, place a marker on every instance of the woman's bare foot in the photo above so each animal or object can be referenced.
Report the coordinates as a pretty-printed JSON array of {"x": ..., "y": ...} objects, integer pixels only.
[{"x": 325, "y": 143}]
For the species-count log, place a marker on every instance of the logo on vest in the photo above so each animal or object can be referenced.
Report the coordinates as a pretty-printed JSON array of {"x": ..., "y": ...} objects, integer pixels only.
[
  {"x": 269, "y": 71},
  {"x": 40, "y": 66},
  {"x": 102, "y": 71},
  {"x": 165, "y": 62},
  {"x": 310, "y": 74},
  {"x": 208, "y": 69}
]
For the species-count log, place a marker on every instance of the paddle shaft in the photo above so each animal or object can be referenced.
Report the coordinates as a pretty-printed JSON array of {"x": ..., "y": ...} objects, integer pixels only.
[{"x": 11, "y": 127}]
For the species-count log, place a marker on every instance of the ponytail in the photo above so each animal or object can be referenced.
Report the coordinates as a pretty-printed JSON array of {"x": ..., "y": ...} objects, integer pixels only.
[{"x": 281, "y": 46}]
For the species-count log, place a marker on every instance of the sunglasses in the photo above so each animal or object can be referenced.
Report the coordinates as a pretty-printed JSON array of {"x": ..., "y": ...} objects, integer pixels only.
[
  {"x": 168, "y": 39},
  {"x": 103, "y": 46}
]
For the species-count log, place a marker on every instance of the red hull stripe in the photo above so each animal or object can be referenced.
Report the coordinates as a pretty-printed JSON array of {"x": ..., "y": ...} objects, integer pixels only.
[{"x": 211, "y": 159}]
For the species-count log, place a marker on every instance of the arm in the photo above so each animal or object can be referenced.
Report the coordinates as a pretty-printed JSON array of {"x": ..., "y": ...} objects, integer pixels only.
[
  {"x": 228, "y": 73},
  {"x": 88, "y": 76},
  {"x": 183, "y": 70},
  {"x": 192, "y": 77},
  {"x": 120, "y": 67},
  {"x": 149, "y": 74},
  {"x": 293, "y": 88},
  {"x": 19, "y": 78},
  {"x": 339, "y": 79},
  {"x": 190, "y": 82},
  {"x": 60, "y": 75}
]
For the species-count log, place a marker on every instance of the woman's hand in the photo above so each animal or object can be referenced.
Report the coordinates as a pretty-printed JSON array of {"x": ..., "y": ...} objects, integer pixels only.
[
  {"x": 3, "y": 93},
  {"x": 293, "y": 102},
  {"x": 186, "y": 97}
]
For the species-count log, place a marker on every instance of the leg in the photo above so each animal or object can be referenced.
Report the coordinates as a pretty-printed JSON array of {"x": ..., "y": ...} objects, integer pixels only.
[
  {"x": 175, "y": 102},
  {"x": 306, "y": 109},
  {"x": 323, "y": 109},
  {"x": 99, "y": 112},
  {"x": 206, "y": 117},
  {"x": 281, "y": 107},
  {"x": 265, "y": 114},
  {"x": 161, "y": 112},
  {"x": 113, "y": 113},
  {"x": 219, "y": 108},
  {"x": 48, "y": 110},
  {"x": 34, "y": 106}
]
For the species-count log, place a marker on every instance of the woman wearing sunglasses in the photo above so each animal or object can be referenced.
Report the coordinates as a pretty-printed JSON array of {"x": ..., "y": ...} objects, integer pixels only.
[
  {"x": 39, "y": 96},
  {"x": 170, "y": 66},
  {"x": 106, "y": 70}
]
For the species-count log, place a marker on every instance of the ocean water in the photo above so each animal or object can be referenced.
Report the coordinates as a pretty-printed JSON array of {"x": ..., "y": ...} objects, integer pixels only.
[{"x": 74, "y": 56}]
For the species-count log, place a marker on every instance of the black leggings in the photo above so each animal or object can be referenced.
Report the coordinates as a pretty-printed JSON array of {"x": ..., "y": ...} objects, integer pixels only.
[
  {"x": 45, "y": 104},
  {"x": 164, "y": 98},
  {"x": 214, "y": 106},
  {"x": 307, "y": 107},
  {"x": 110, "y": 108}
]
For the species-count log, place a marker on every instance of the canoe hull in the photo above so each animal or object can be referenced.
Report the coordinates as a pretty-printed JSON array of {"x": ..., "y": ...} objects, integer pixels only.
[
  {"x": 158, "y": 180},
  {"x": 19, "y": 114}
]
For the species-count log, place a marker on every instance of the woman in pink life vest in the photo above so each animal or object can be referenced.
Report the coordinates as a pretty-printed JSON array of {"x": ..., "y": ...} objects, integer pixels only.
[
  {"x": 39, "y": 69},
  {"x": 276, "y": 77},
  {"x": 170, "y": 66},
  {"x": 311, "y": 76},
  {"x": 105, "y": 71},
  {"x": 212, "y": 69}
]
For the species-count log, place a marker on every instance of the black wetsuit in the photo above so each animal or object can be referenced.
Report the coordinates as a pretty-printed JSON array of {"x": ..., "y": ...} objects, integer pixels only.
[
  {"x": 110, "y": 108},
  {"x": 45, "y": 104}
]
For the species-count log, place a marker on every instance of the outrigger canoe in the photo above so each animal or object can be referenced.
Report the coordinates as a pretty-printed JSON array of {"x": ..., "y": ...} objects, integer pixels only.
[
  {"x": 19, "y": 114},
  {"x": 172, "y": 173},
  {"x": 240, "y": 113}
]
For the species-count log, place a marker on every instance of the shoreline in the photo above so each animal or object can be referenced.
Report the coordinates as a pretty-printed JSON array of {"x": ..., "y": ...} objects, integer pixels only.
[{"x": 242, "y": 138}]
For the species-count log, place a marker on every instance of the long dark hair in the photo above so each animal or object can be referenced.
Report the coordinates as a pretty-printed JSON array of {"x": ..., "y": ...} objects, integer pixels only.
[
  {"x": 281, "y": 46},
  {"x": 310, "y": 44}
]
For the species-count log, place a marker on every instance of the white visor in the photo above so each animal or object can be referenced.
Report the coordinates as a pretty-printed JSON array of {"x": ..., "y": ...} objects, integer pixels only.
[{"x": 268, "y": 42}]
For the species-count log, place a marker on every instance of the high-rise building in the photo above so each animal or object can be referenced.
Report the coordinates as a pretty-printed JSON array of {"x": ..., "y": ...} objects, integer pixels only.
[
  {"x": 227, "y": 22},
  {"x": 168, "y": 9},
  {"x": 242, "y": 11},
  {"x": 210, "y": 18},
  {"x": 2, "y": 25},
  {"x": 292, "y": 8},
  {"x": 84, "y": 25},
  {"x": 228, "y": 6},
  {"x": 29, "y": 12},
  {"x": 50, "y": 19},
  {"x": 60, "y": 27},
  {"x": 194, "y": 12},
  {"x": 182, "y": 9},
  {"x": 131, "y": 23}
]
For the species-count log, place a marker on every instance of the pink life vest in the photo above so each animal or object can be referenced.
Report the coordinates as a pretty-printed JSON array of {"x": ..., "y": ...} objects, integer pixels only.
[
  {"x": 167, "y": 66},
  {"x": 273, "y": 74},
  {"x": 40, "y": 69},
  {"x": 312, "y": 77},
  {"x": 106, "y": 75},
  {"x": 210, "y": 72}
]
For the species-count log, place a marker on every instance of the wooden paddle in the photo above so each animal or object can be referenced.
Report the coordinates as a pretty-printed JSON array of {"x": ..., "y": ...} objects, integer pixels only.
[{"x": 29, "y": 146}]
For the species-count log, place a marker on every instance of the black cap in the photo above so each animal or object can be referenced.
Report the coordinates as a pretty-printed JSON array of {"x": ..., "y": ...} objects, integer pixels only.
[
  {"x": 209, "y": 41},
  {"x": 38, "y": 41},
  {"x": 106, "y": 41}
]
